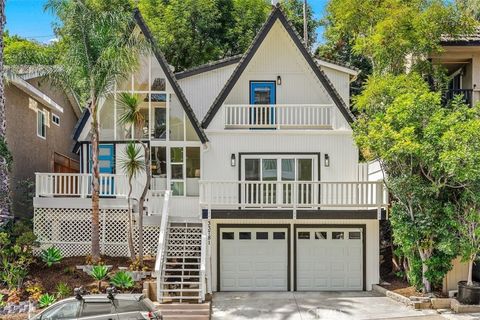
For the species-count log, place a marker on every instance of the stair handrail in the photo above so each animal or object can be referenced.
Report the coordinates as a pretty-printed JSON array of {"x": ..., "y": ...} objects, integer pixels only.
[
  {"x": 203, "y": 263},
  {"x": 162, "y": 237}
]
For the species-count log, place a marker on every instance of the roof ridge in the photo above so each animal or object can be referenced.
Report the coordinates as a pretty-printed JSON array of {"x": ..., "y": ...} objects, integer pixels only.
[
  {"x": 339, "y": 63},
  {"x": 208, "y": 66}
]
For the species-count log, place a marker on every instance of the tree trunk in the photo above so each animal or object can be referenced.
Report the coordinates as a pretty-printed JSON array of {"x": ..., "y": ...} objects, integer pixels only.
[
  {"x": 95, "y": 183},
  {"x": 425, "y": 254},
  {"x": 131, "y": 248},
  {"x": 142, "y": 201},
  {"x": 5, "y": 212},
  {"x": 470, "y": 271}
]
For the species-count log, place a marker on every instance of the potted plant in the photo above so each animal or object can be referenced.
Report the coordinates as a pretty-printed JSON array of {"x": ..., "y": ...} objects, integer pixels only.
[{"x": 468, "y": 210}]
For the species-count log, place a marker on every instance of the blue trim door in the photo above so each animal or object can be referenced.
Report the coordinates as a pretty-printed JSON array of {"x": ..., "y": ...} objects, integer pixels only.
[
  {"x": 106, "y": 163},
  {"x": 264, "y": 93}
]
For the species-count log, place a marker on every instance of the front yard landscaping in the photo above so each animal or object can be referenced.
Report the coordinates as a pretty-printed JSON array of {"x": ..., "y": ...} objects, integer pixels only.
[{"x": 37, "y": 280}]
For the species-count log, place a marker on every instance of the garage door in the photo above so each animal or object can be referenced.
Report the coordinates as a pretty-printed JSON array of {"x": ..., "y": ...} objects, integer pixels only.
[
  {"x": 329, "y": 259},
  {"x": 253, "y": 259}
]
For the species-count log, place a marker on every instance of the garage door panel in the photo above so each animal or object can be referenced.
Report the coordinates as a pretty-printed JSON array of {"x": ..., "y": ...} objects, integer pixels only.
[
  {"x": 260, "y": 262},
  {"x": 327, "y": 259}
]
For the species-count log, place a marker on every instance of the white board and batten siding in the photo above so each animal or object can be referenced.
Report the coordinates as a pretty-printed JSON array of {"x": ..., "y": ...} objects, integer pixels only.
[
  {"x": 340, "y": 147},
  {"x": 202, "y": 89},
  {"x": 278, "y": 56},
  {"x": 252, "y": 261}
]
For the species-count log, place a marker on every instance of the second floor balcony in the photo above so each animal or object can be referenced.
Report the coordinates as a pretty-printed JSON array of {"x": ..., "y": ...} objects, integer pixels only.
[
  {"x": 278, "y": 116},
  {"x": 293, "y": 195}
]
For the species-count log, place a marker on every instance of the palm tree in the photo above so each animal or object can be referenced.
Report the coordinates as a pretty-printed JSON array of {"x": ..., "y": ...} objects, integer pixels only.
[
  {"x": 99, "y": 48},
  {"x": 5, "y": 157},
  {"x": 132, "y": 164},
  {"x": 132, "y": 116}
]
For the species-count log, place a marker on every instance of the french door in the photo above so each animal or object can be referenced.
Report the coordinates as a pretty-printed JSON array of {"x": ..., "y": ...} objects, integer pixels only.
[{"x": 276, "y": 181}]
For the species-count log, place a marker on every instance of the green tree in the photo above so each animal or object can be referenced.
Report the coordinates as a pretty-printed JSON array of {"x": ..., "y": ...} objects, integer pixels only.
[
  {"x": 20, "y": 51},
  {"x": 467, "y": 209},
  {"x": 388, "y": 33},
  {"x": 99, "y": 48},
  {"x": 428, "y": 152},
  {"x": 193, "y": 32}
]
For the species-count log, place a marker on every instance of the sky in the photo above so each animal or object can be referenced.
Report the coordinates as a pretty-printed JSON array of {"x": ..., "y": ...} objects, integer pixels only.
[{"x": 28, "y": 19}]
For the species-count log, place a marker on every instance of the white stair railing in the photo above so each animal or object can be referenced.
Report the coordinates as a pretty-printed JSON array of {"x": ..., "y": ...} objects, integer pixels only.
[
  {"x": 162, "y": 240},
  {"x": 203, "y": 264}
]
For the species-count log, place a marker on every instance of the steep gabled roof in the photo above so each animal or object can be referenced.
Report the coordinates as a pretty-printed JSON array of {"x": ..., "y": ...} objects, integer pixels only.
[
  {"x": 208, "y": 66},
  {"x": 277, "y": 14},
  {"x": 170, "y": 76}
]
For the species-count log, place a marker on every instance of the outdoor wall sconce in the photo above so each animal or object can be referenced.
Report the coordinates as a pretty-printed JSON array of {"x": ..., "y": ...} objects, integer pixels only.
[
  {"x": 233, "y": 161},
  {"x": 327, "y": 160},
  {"x": 279, "y": 80}
]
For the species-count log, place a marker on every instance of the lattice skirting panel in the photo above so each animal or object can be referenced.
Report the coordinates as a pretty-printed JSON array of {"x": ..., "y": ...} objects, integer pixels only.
[{"x": 70, "y": 230}]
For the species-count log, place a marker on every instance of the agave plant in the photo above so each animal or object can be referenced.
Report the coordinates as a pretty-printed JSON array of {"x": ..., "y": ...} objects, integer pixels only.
[
  {"x": 51, "y": 256},
  {"x": 46, "y": 300},
  {"x": 122, "y": 280},
  {"x": 99, "y": 273}
]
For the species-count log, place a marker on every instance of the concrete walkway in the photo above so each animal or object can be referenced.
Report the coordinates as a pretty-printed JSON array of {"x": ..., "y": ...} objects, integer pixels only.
[{"x": 313, "y": 305}]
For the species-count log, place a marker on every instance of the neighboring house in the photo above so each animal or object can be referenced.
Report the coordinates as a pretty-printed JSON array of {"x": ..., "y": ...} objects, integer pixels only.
[
  {"x": 461, "y": 58},
  {"x": 266, "y": 193},
  {"x": 40, "y": 117}
]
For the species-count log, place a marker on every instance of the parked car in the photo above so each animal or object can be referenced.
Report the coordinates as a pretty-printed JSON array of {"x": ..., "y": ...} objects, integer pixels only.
[{"x": 101, "y": 307}]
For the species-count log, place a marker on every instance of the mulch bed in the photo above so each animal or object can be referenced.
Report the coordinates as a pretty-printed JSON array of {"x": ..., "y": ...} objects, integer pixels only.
[
  {"x": 402, "y": 287},
  {"x": 65, "y": 271}
]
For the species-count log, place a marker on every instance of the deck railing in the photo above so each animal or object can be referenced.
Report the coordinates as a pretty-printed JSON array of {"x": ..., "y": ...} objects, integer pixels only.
[
  {"x": 79, "y": 185},
  {"x": 278, "y": 116},
  {"x": 292, "y": 194}
]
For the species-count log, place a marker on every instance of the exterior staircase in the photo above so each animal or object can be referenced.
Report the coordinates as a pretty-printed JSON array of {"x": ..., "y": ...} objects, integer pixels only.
[{"x": 181, "y": 274}]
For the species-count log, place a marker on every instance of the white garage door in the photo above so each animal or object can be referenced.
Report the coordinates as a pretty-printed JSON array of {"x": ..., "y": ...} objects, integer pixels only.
[
  {"x": 329, "y": 259},
  {"x": 253, "y": 259}
]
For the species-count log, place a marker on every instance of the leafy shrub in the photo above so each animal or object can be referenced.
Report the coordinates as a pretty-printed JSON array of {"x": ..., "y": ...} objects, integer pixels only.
[
  {"x": 34, "y": 291},
  {"x": 13, "y": 273},
  {"x": 16, "y": 255},
  {"x": 63, "y": 290},
  {"x": 99, "y": 273},
  {"x": 122, "y": 280},
  {"x": 51, "y": 256},
  {"x": 46, "y": 300}
]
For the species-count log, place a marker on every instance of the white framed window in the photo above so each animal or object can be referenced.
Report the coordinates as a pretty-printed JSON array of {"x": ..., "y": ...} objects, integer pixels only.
[
  {"x": 55, "y": 119},
  {"x": 41, "y": 124}
]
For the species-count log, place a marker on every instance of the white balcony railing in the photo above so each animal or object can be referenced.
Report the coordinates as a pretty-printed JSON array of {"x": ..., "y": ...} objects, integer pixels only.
[
  {"x": 79, "y": 185},
  {"x": 278, "y": 116},
  {"x": 292, "y": 194}
]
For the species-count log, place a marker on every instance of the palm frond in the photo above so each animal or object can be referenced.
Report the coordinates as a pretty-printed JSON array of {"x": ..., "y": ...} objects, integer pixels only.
[{"x": 132, "y": 161}]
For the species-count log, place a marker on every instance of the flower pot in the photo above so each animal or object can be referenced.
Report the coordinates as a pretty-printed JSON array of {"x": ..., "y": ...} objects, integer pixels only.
[{"x": 468, "y": 294}]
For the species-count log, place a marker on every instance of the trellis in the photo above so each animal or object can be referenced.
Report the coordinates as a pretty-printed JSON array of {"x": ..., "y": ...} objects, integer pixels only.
[{"x": 69, "y": 229}]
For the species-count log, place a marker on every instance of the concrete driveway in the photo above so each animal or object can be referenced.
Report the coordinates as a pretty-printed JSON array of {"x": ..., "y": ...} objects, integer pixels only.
[{"x": 313, "y": 305}]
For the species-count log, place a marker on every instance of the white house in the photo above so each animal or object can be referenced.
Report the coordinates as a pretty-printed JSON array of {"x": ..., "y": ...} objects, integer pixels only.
[{"x": 265, "y": 194}]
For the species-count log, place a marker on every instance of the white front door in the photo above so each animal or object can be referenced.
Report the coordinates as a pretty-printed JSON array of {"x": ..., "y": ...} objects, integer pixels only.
[
  {"x": 329, "y": 259},
  {"x": 253, "y": 259}
]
